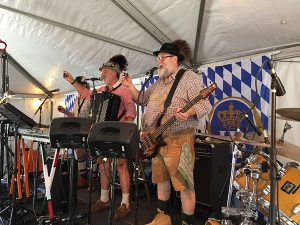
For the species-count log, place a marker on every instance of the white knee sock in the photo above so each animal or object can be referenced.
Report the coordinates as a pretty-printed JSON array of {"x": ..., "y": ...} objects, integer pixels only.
[
  {"x": 125, "y": 199},
  {"x": 104, "y": 195}
]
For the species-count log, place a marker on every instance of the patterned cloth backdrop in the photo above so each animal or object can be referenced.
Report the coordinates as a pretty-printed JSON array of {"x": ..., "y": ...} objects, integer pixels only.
[
  {"x": 151, "y": 81},
  {"x": 238, "y": 80},
  {"x": 70, "y": 101}
]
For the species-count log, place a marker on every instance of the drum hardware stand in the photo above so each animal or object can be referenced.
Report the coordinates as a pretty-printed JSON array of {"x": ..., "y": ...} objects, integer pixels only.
[
  {"x": 228, "y": 211},
  {"x": 287, "y": 126}
]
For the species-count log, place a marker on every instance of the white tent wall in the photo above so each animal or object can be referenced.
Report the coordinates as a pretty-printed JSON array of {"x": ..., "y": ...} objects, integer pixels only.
[
  {"x": 289, "y": 73},
  {"x": 29, "y": 106}
]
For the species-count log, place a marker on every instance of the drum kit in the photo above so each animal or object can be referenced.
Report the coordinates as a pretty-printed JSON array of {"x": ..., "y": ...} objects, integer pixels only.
[{"x": 252, "y": 183}]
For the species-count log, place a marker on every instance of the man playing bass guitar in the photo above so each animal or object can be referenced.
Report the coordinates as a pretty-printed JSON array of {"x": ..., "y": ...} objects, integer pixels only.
[{"x": 174, "y": 161}]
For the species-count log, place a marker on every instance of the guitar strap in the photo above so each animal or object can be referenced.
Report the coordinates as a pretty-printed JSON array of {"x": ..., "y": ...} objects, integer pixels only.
[{"x": 172, "y": 90}]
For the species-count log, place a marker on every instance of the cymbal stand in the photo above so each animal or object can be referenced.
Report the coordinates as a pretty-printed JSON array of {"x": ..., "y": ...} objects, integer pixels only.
[
  {"x": 227, "y": 211},
  {"x": 236, "y": 154},
  {"x": 251, "y": 199}
]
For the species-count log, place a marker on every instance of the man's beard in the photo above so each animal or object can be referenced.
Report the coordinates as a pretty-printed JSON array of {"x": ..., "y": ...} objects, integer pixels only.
[{"x": 164, "y": 72}]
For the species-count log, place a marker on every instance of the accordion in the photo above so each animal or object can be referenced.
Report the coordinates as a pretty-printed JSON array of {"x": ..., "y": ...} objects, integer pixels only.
[{"x": 105, "y": 107}]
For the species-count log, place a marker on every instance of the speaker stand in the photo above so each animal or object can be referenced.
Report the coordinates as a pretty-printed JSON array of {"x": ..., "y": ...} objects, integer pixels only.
[{"x": 112, "y": 203}]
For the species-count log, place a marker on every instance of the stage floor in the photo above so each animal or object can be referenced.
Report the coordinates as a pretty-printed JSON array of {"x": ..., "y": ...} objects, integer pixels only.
[{"x": 25, "y": 215}]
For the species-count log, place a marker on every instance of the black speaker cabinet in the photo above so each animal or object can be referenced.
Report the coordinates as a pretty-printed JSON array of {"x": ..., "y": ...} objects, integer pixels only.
[
  {"x": 211, "y": 174},
  {"x": 113, "y": 139}
]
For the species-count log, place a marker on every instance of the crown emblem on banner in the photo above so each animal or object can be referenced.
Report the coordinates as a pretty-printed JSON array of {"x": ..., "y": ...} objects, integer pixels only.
[{"x": 231, "y": 117}]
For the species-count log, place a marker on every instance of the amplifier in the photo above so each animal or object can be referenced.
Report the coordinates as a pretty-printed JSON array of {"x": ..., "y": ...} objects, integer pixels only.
[{"x": 211, "y": 175}]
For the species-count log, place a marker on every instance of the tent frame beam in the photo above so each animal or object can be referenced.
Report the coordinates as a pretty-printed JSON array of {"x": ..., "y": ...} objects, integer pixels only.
[
  {"x": 141, "y": 20},
  {"x": 199, "y": 29},
  {"x": 26, "y": 74}
]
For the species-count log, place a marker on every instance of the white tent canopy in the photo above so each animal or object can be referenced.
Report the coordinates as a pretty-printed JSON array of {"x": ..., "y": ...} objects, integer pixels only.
[
  {"x": 44, "y": 38},
  {"x": 47, "y": 37}
]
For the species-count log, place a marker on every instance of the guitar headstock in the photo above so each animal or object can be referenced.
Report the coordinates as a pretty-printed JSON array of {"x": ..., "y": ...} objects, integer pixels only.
[{"x": 206, "y": 91}]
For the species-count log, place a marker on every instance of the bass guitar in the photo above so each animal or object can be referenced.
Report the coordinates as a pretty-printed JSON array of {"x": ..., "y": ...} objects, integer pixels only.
[{"x": 150, "y": 137}]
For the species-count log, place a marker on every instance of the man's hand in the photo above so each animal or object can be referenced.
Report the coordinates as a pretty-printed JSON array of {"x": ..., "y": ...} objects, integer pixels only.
[
  {"x": 68, "y": 76},
  {"x": 61, "y": 109},
  {"x": 126, "y": 79},
  {"x": 181, "y": 116}
]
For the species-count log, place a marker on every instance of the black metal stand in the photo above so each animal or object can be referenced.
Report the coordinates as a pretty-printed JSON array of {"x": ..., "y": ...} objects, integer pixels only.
[
  {"x": 71, "y": 181},
  {"x": 273, "y": 175},
  {"x": 112, "y": 189},
  {"x": 277, "y": 90},
  {"x": 14, "y": 182},
  {"x": 90, "y": 192},
  {"x": 5, "y": 150}
]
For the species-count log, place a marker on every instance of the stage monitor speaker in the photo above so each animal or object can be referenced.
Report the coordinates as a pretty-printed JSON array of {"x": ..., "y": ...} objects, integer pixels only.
[
  {"x": 211, "y": 174},
  {"x": 69, "y": 132},
  {"x": 113, "y": 139}
]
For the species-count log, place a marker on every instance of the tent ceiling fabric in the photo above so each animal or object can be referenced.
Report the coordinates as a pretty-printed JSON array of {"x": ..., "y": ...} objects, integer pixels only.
[{"x": 77, "y": 36}]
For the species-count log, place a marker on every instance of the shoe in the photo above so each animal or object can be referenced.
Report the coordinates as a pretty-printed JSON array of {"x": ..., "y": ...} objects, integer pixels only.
[
  {"x": 82, "y": 182},
  {"x": 161, "y": 219},
  {"x": 99, "y": 205},
  {"x": 122, "y": 211},
  {"x": 94, "y": 185}
]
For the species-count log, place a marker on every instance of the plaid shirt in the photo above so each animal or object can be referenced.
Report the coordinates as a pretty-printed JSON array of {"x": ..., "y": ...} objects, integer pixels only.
[
  {"x": 84, "y": 110},
  {"x": 188, "y": 88}
]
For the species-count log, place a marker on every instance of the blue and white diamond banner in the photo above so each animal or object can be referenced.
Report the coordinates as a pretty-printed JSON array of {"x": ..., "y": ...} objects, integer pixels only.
[
  {"x": 70, "y": 101},
  {"x": 148, "y": 84},
  {"x": 238, "y": 80}
]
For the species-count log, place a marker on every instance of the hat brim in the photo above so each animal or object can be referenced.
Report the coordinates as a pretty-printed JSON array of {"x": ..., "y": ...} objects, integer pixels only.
[
  {"x": 109, "y": 67},
  {"x": 180, "y": 56}
]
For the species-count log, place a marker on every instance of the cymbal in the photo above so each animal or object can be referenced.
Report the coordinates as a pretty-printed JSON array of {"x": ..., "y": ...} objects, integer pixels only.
[
  {"x": 284, "y": 118},
  {"x": 290, "y": 113},
  {"x": 240, "y": 140},
  {"x": 290, "y": 151}
]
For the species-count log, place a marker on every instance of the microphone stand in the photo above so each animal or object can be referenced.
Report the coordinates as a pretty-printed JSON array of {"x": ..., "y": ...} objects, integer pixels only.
[
  {"x": 92, "y": 99},
  {"x": 277, "y": 90},
  {"x": 273, "y": 175},
  {"x": 40, "y": 108},
  {"x": 137, "y": 155}
]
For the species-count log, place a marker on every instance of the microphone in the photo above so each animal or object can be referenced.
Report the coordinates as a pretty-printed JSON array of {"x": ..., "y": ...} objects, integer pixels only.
[
  {"x": 55, "y": 90},
  {"x": 266, "y": 137},
  {"x": 276, "y": 83},
  {"x": 150, "y": 72},
  {"x": 253, "y": 125},
  {"x": 95, "y": 78}
]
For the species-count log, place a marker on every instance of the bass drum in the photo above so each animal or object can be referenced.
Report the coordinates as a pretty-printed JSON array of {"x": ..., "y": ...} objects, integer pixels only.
[{"x": 288, "y": 196}]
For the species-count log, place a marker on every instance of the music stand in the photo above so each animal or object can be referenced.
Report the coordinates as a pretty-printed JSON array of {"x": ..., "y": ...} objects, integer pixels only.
[
  {"x": 70, "y": 132},
  {"x": 19, "y": 120},
  {"x": 113, "y": 139}
]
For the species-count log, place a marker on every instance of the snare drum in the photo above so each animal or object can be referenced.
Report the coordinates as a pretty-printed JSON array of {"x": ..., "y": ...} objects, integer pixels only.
[
  {"x": 254, "y": 164},
  {"x": 288, "y": 196}
]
